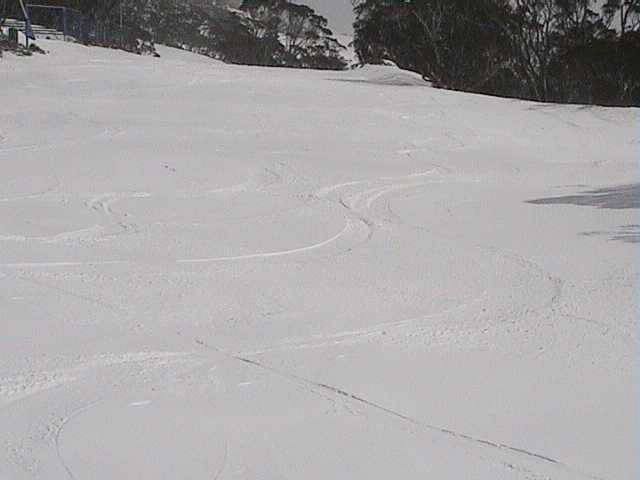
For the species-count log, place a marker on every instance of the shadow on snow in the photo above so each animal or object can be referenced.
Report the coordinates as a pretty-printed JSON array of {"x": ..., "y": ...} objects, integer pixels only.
[{"x": 617, "y": 198}]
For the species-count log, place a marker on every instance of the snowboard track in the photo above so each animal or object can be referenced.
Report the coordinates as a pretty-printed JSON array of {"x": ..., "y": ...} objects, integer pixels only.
[{"x": 518, "y": 452}]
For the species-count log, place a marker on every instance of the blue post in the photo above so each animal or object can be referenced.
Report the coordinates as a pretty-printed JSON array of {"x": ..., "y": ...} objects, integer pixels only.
[{"x": 28, "y": 31}]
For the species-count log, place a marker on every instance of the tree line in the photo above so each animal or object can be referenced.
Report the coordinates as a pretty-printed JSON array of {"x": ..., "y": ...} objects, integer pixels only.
[
  {"x": 255, "y": 32},
  {"x": 578, "y": 51}
]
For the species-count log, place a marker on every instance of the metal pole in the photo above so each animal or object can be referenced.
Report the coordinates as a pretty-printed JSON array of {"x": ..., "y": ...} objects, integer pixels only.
[{"x": 28, "y": 32}]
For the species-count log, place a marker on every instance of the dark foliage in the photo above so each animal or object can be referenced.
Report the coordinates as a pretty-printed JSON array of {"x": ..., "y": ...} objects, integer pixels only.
[
  {"x": 292, "y": 34},
  {"x": 261, "y": 32},
  {"x": 548, "y": 50}
]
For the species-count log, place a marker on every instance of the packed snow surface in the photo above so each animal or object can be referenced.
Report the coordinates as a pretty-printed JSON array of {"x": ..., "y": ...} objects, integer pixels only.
[{"x": 223, "y": 272}]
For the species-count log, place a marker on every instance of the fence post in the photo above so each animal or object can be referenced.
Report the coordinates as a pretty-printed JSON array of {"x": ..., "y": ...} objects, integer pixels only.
[
  {"x": 64, "y": 24},
  {"x": 28, "y": 31}
]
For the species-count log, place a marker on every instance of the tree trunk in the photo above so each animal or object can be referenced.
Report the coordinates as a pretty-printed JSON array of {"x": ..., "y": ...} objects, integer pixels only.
[{"x": 3, "y": 12}]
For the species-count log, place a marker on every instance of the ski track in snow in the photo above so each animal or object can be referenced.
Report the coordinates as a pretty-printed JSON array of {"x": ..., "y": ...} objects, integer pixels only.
[
  {"x": 554, "y": 307},
  {"x": 358, "y": 206},
  {"x": 59, "y": 431},
  {"x": 33, "y": 196},
  {"x": 280, "y": 253},
  {"x": 512, "y": 451},
  {"x": 351, "y": 336},
  {"x": 513, "y": 454},
  {"x": 104, "y": 134},
  {"x": 365, "y": 208}
]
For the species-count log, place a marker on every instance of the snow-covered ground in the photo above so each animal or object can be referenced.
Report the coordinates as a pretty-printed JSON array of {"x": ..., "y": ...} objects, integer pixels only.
[{"x": 222, "y": 272}]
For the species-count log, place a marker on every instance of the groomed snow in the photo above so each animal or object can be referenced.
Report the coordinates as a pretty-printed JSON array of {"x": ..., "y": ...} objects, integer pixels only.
[{"x": 223, "y": 272}]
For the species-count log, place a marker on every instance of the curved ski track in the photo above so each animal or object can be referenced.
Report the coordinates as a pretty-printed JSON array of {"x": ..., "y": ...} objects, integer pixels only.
[
  {"x": 357, "y": 208},
  {"x": 358, "y": 205}
]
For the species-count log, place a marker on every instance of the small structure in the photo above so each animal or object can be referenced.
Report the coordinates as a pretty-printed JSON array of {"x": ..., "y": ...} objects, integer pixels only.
[
  {"x": 23, "y": 24},
  {"x": 45, "y": 21}
]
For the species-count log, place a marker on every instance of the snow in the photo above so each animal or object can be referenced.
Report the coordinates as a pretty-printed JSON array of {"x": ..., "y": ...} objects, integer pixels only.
[
  {"x": 215, "y": 271},
  {"x": 349, "y": 52}
]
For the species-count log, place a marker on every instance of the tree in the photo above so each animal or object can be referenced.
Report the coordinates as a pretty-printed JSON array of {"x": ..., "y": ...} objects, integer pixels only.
[
  {"x": 4, "y": 11},
  {"x": 547, "y": 50},
  {"x": 455, "y": 43},
  {"x": 627, "y": 13},
  {"x": 543, "y": 32},
  {"x": 611, "y": 68},
  {"x": 294, "y": 34}
]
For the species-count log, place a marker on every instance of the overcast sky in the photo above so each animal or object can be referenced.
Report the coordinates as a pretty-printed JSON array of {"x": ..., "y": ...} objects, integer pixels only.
[{"x": 338, "y": 12}]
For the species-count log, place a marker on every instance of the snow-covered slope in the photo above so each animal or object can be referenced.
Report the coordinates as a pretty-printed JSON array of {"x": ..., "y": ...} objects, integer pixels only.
[{"x": 213, "y": 271}]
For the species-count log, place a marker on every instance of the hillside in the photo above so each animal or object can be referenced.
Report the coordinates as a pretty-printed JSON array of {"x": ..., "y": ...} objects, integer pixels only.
[{"x": 230, "y": 272}]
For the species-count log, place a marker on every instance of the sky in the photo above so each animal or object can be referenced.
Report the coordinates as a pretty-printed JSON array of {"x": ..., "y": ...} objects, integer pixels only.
[{"x": 338, "y": 12}]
